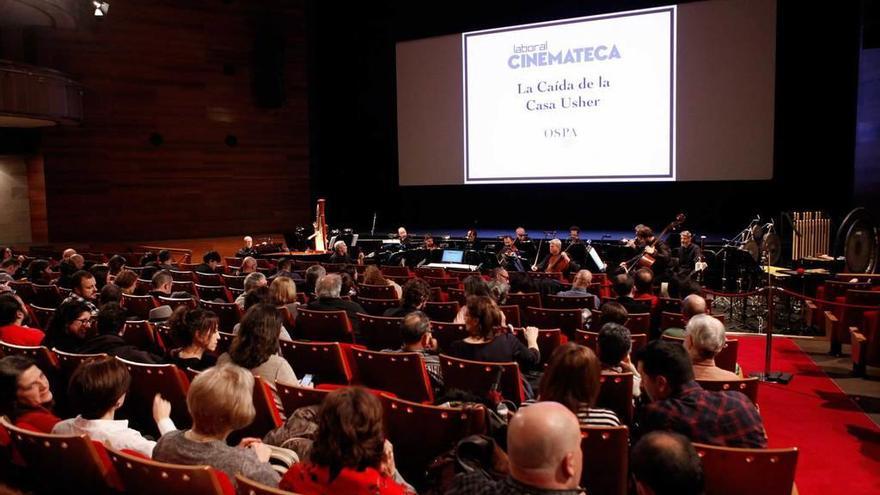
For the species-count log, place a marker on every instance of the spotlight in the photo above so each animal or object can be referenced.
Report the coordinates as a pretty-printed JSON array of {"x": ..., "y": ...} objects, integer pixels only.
[{"x": 101, "y": 8}]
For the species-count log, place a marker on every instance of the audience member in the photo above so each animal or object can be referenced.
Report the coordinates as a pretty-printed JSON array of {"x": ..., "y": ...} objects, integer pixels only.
[
  {"x": 12, "y": 315},
  {"x": 313, "y": 274},
  {"x": 285, "y": 269},
  {"x": 103, "y": 335},
  {"x": 70, "y": 325},
  {"x": 543, "y": 452},
  {"x": 38, "y": 272},
  {"x": 12, "y": 266},
  {"x": 664, "y": 463},
  {"x": 328, "y": 299},
  {"x": 614, "y": 345},
  {"x": 163, "y": 260},
  {"x": 256, "y": 346},
  {"x": 97, "y": 390},
  {"x": 282, "y": 293},
  {"x": 196, "y": 333},
  {"x": 85, "y": 290},
  {"x": 251, "y": 282},
  {"x": 25, "y": 395},
  {"x": 373, "y": 276},
  {"x": 350, "y": 453},
  {"x": 623, "y": 287},
  {"x": 248, "y": 266},
  {"x": 116, "y": 264},
  {"x": 580, "y": 287},
  {"x": 415, "y": 332},
  {"x": 416, "y": 293},
  {"x": 691, "y": 306},
  {"x": 110, "y": 293},
  {"x": 476, "y": 286},
  {"x": 220, "y": 401},
  {"x": 126, "y": 281},
  {"x": 644, "y": 287},
  {"x": 704, "y": 339},
  {"x": 162, "y": 284},
  {"x": 679, "y": 404},
  {"x": 211, "y": 263},
  {"x": 611, "y": 312},
  {"x": 101, "y": 274},
  {"x": 572, "y": 379}
]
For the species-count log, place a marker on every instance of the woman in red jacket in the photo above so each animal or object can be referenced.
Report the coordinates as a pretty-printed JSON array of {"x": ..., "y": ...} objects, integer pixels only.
[
  {"x": 25, "y": 396},
  {"x": 350, "y": 454}
]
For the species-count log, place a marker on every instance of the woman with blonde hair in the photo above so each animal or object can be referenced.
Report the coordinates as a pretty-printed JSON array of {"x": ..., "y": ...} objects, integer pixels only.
[{"x": 282, "y": 293}]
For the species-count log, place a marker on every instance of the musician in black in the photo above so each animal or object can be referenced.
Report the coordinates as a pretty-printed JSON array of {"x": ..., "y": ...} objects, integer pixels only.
[
  {"x": 340, "y": 254},
  {"x": 470, "y": 241},
  {"x": 248, "y": 249},
  {"x": 524, "y": 244},
  {"x": 646, "y": 243},
  {"x": 688, "y": 255},
  {"x": 576, "y": 248},
  {"x": 403, "y": 237},
  {"x": 509, "y": 255}
]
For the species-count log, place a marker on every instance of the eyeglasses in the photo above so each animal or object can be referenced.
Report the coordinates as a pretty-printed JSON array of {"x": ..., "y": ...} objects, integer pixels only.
[{"x": 84, "y": 321}]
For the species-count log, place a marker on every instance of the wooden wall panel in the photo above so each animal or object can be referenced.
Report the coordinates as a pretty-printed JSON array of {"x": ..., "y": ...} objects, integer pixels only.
[{"x": 158, "y": 67}]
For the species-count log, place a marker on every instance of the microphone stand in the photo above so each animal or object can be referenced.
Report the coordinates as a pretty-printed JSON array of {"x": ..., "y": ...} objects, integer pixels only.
[{"x": 767, "y": 375}]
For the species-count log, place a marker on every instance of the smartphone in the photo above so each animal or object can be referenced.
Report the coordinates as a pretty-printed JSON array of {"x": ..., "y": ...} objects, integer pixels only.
[{"x": 306, "y": 381}]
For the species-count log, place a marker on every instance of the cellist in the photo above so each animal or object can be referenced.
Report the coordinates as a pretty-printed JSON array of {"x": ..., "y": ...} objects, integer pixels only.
[{"x": 556, "y": 261}]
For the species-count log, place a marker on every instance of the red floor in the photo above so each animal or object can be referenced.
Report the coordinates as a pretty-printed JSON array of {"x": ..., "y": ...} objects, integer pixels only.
[{"x": 839, "y": 445}]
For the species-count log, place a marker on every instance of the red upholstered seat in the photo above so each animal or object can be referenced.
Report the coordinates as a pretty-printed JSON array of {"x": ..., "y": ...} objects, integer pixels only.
[
  {"x": 616, "y": 393},
  {"x": 294, "y": 397},
  {"x": 638, "y": 322},
  {"x": 442, "y": 311},
  {"x": 64, "y": 461},
  {"x": 41, "y": 315},
  {"x": 147, "y": 380},
  {"x": 606, "y": 459},
  {"x": 267, "y": 417},
  {"x": 568, "y": 302},
  {"x": 442, "y": 282},
  {"x": 748, "y": 386},
  {"x": 251, "y": 487},
  {"x": 511, "y": 314},
  {"x": 438, "y": 430},
  {"x": 732, "y": 471},
  {"x": 430, "y": 271},
  {"x": 211, "y": 279},
  {"x": 182, "y": 276},
  {"x": 139, "y": 306},
  {"x": 213, "y": 293},
  {"x": 456, "y": 295},
  {"x": 377, "y": 291},
  {"x": 323, "y": 326},
  {"x": 46, "y": 296},
  {"x": 401, "y": 373},
  {"x": 142, "y": 287},
  {"x": 175, "y": 302},
  {"x": 229, "y": 313},
  {"x": 377, "y": 307},
  {"x": 141, "y": 334},
  {"x": 478, "y": 377},
  {"x": 234, "y": 281},
  {"x": 395, "y": 271},
  {"x": 378, "y": 332},
  {"x": 325, "y": 361},
  {"x": 141, "y": 476},
  {"x": 183, "y": 286},
  {"x": 24, "y": 290},
  {"x": 524, "y": 300},
  {"x": 224, "y": 342},
  {"x": 726, "y": 359},
  {"x": 447, "y": 333},
  {"x": 548, "y": 340},
  {"x": 42, "y": 356},
  {"x": 567, "y": 320}
]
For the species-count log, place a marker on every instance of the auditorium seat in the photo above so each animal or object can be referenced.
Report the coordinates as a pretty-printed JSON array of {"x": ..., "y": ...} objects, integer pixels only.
[
  {"x": 586, "y": 339},
  {"x": 267, "y": 416},
  {"x": 182, "y": 276},
  {"x": 734, "y": 471},
  {"x": 379, "y": 332},
  {"x": 866, "y": 343},
  {"x": 456, "y": 295},
  {"x": 431, "y": 271},
  {"x": 233, "y": 281},
  {"x": 213, "y": 293},
  {"x": 547, "y": 275},
  {"x": 395, "y": 271},
  {"x": 323, "y": 326},
  {"x": 548, "y": 340},
  {"x": 147, "y": 380},
  {"x": 401, "y": 373},
  {"x": 63, "y": 463},
  {"x": 567, "y": 320},
  {"x": 524, "y": 300},
  {"x": 229, "y": 313},
  {"x": 183, "y": 286},
  {"x": 478, "y": 377},
  {"x": 442, "y": 311},
  {"x": 46, "y": 296},
  {"x": 41, "y": 355},
  {"x": 139, "y": 306},
  {"x": 41, "y": 315},
  {"x": 568, "y": 302},
  {"x": 511, "y": 314},
  {"x": 442, "y": 282},
  {"x": 210, "y": 279},
  {"x": 224, "y": 342},
  {"x": 638, "y": 322},
  {"x": 142, "y": 287},
  {"x": 377, "y": 291},
  {"x": 616, "y": 393},
  {"x": 24, "y": 290},
  {"x": 446, "y": 333},
  {"x": 250, "y": 487},
  {"x": 142, "y": 476},
  {"x": 421, "y": 432},
  {"x": 142, "y": 334},
  {"x": 748, "y": 386},
  {"x": 67, "y": 364},
  {"x": 294, "y": 397},
  {"x": 325, "y": 361},
  {"x": 377, "y": 307},
  {"x": 176, "y": 302},
  {"x": 726, "y": 359},
  {"x": 606, "y": 459}
]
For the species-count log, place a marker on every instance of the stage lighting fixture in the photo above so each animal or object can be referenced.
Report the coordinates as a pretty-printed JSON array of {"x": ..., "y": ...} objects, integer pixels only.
[{"x": 101, "y": 8}]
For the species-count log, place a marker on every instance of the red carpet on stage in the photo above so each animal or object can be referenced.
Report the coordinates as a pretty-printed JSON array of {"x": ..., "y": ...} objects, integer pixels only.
[{"x": 839, "y": 445}]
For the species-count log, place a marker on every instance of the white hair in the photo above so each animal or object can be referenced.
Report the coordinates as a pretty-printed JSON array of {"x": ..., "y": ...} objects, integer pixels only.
[
  {"x": 253, "y": 280},
  {"x": 707, "y": 335},
  {"x": 556, "y": 242},
  {"x": 329, "y": 286},
  {"x": 337, "y": 244}
]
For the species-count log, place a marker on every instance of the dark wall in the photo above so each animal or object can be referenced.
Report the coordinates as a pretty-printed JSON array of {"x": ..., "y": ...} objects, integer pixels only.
[
  {"x": 354, "y": 144},
  {"x": 195, "y": 120}
]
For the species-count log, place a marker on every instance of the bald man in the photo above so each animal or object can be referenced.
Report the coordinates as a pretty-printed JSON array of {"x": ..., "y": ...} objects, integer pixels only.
[
  {"x": 691, "y": 306},
  {"x": 544, "y": 454}
]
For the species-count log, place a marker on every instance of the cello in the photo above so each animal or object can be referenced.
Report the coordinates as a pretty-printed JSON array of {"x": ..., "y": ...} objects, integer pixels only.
[{"x": 646, "y": 260}]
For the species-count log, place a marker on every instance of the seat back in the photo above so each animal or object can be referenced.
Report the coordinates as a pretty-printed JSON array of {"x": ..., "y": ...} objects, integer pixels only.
[
  {"x": 638, "y": 322},
  {"x": 210, "y": 279},
  {"x": 837, "y": 288},
  {"x": 233, "y": 281},
  {"x": 569, "y": 302},
  {"x": 182, "y": 276},
  {"x": 224, "y": 342},
  {"x": 430, "y": 271},
  {"x": 323, "y": 326},
  {"x": 442, "y": 282},
  {"x": 377, "y": 291},
  {"x": 229, "y": 314},
  {"x": 142, "y": 286},
  {"x": 447, "y": 333},
  {"x": 379, "y": 332},
  {"x": 394, "y": 271},
  {"x": 294, "y": 397},
  {"x": 213, "y": 292},
  {"x": 438, "y": 430},
  {"x": 733, "y": 471},
  {"x": 442, "y": 311},
  {"x": 139, "y": 306},
  {"x": 377, "y": 307},
  {"x": 62, "y": 461},
  {"x": 141, "y": 476},
  {"x": 176, "y": 302},
  {"x": 670, "y": 305},
  {"x": 586, "y": 339},
  {"x": 606, "y": 459},
  {"x": 41, "y": 355},
  {"x": 401, "y": 373},
  {"x": 616, "y": 393},
  {"x": 748, "y": 386},
  {"x": 141, "y": 334},
  {"x": 567, "y": 320},
  {"x": 24, "y": 290},
  {"x": 671, "y": 320},
  {"x": 478, "y": 377},
  {"x": 187, "y": 286},
  {"x": 548, "y": 340},
  {"x": 325, "y": 361},
  {"x": 524, "y": 300},
  {"x": 267, "y": 417},
  {"x": 147, "y": 380},
  {"x": 726, "y": 359},
  {"x": 42, "y": 315},
  {"x": 250, "y": 487},
  {"x": 456, "y": 295},
  {"x": 47, "y": 296},
  {"x": 511, "y": 314}
]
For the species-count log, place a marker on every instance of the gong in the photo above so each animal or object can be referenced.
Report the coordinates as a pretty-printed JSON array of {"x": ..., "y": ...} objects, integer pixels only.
[
  {"x": 772, "y": 246},
  {"x": 860, "y": 247}
]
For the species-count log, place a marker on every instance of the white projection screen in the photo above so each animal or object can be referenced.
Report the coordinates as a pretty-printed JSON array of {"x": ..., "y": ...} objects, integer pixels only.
[{"x": 672, "y": 93}]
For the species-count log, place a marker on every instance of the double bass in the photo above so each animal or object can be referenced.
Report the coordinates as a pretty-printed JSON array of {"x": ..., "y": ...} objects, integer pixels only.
[{"x": 646, "y": 260}]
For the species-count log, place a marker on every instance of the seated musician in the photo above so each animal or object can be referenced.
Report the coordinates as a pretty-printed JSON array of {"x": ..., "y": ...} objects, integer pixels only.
[
  {"x": 340, "y": 254},
  {"x": 403, "y": 237},
  {"x": 524, "y": 244},
  {"x": 576, "y": 248},
  {"x": 688, "y": 255},
  {"x": 429, "y": 243},
  {"x": 643, "y": 280},
  {"x": 580, "y": 287},
  {"x": 470, "y": 240},
  {"x": 555, "y": 261},
  {"x": 654, "y": 247},
  {"x": 248, "y": 249},
  {"x": 509, "y": 255}
]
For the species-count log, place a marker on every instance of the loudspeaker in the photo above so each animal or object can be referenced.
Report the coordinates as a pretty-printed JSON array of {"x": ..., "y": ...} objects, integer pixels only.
[{"x": 268, "y": 79}]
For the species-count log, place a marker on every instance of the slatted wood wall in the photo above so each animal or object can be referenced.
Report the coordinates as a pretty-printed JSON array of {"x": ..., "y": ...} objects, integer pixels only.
[{"x": 183, "y": 70}]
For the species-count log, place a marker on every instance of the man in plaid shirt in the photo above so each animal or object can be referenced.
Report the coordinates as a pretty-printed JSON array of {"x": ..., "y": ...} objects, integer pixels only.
[{"x": 679, "y": 404}]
